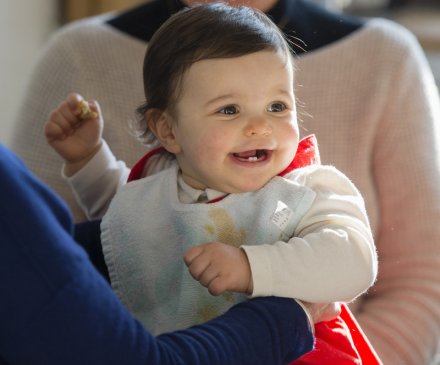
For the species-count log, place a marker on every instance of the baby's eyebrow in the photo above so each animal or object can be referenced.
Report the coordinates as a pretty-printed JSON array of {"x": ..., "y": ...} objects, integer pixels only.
[
  {"x": 284, "y": 92},
  {"x": 220, "y": 98}
]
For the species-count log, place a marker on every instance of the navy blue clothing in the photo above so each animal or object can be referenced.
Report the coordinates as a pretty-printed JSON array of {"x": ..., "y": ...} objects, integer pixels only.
[
  {"x": 88, "y": 235},
  {"x": 55, "y": 307},
  {"x": 311, "y": 25}
]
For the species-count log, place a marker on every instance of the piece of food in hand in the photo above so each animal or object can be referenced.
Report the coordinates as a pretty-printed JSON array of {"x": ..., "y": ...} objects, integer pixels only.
[{"x": 86, "y": 113}]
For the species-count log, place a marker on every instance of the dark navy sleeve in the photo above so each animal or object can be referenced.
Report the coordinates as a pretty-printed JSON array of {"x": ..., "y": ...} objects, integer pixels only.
[
  {"x": 88, "y": 236},
  {"x": 55, "y": 308}
]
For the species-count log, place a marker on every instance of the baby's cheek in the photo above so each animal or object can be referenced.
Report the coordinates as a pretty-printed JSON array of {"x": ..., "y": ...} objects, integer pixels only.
[
  {"x": 215, "y": 145},
  {"x": 202, "y": 151},
  {"x": 224, "y": 138},
  {"x": 199, "y": 152}
]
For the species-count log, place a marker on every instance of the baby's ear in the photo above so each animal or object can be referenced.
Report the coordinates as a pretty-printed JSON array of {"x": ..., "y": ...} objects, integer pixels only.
[{"x": 161, "y": 125}]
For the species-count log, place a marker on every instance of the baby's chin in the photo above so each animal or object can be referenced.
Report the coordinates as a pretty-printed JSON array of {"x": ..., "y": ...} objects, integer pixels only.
[
  {"x": 245, "y": 187},
  {"x": 253, "y": 183}
]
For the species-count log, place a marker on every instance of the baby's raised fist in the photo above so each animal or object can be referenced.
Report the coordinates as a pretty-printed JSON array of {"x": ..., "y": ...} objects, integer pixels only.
[{"x": 74, "y": 130}]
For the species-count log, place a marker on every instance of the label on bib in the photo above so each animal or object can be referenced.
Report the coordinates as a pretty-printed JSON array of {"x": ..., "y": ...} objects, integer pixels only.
[{"x": 282, "y": 216}]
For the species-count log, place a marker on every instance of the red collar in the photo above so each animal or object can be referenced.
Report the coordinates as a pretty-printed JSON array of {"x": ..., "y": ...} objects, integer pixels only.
[
  {"x": 306, "y": 154},
  {"x": 136, "y": 171}
]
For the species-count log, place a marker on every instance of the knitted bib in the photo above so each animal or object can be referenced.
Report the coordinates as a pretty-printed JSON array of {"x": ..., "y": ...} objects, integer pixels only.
[{"x": 146, "y": 232}]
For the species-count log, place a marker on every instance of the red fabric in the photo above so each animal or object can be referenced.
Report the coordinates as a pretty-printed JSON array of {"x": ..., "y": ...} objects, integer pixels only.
[
  {"x": 340, "y": 341},
  {"x": 215, "y": 200},
  {"x": 136, "y": 171},
  {"x": 307, "y": 154},
  {"x": 363, "y": 346}
]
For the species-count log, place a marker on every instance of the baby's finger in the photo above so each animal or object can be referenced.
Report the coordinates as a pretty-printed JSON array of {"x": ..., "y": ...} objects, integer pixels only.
[
  {"x": 217, "y": 286},
  {"x": 73, "y": 101},
  {"x": 58, "y": 118},
  {"x": 198, "y": 266},
  {"x": 69, "y": 115},
  {"x": 94, "y": 106},
  {"x": 52, "y": 132},
  {"x": 209, "y": 273},
  {"x": 192, "y": 253}
]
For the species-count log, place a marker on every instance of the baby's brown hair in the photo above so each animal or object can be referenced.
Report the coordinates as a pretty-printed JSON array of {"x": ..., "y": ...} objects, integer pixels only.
[{"x": 204, "y": 32}]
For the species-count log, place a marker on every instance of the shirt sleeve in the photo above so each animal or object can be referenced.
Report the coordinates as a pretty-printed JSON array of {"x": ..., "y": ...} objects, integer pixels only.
[
  {"x": 401, "y": 313},
  {"x": 57, "y": 72},
  {"x": 331, "y": 257},
  {"x": 57, "y": 309},
  {"x": 96, "y": 183}
]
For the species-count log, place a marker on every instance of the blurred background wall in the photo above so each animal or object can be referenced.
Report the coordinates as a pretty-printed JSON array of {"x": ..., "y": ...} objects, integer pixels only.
[{"x": 25, "y": 26}]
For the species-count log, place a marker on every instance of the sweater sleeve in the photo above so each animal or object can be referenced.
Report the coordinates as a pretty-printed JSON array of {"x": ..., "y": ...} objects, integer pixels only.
[
  {"x": 401, "y": 314},
  {"x": 96, "y": 183},
  {"x": 57, "y": 309},
  {"x": 56, "y": 74},
  {"x": 331, "y": 257}
]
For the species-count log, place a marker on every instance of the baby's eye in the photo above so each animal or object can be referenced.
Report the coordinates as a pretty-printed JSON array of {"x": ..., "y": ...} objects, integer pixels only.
[
  {"x": 277, "y": 107},
  {"x": 230, "y": 109}
]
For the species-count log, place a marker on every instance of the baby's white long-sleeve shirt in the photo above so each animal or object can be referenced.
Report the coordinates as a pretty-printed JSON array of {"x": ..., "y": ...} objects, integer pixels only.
[{"x": 330, "y": 257}]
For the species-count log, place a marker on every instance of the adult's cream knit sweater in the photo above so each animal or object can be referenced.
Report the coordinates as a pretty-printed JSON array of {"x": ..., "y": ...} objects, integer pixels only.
[{"x": 371, "y": 101}]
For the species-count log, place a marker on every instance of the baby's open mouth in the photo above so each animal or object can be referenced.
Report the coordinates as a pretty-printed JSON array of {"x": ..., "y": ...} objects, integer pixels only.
[{"x": 251, "y": 155}]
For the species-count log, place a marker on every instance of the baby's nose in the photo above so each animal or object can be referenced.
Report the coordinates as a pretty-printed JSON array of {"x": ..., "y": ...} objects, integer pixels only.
[{"x": 257, "y": 126}]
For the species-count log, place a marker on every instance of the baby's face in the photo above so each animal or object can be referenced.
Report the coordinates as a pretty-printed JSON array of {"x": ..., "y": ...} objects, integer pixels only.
[{"x": 236, "y": 122}]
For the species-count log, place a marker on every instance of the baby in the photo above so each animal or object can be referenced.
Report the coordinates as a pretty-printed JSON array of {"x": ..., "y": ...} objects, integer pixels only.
[{"x": 228, "y": 190}]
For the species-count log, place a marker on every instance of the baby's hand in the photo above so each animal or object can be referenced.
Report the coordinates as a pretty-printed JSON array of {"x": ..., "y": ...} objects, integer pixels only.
[
  {"x": 76, "y": 140},
  {"x": 220, "y": 267}
]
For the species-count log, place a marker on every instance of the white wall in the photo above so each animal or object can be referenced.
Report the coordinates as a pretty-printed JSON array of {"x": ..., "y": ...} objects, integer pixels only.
[{"x": 24, "y": 27}]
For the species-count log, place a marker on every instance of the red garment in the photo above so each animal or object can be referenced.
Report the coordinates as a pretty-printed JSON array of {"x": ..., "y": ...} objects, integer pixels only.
[{"x": 340, "y": 341}]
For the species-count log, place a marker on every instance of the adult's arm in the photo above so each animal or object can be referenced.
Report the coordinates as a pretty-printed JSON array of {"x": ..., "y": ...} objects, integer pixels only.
[
  {"x": 401, "y": 314},
  {"x": 56, "y": 73},
  {"x": 57, "y": 309}
]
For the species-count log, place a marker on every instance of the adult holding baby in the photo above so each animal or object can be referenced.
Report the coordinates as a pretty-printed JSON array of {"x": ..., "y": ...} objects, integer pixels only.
[
  {"x": 374, "y": 108},
  {"x": 57, "y": 309}
]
